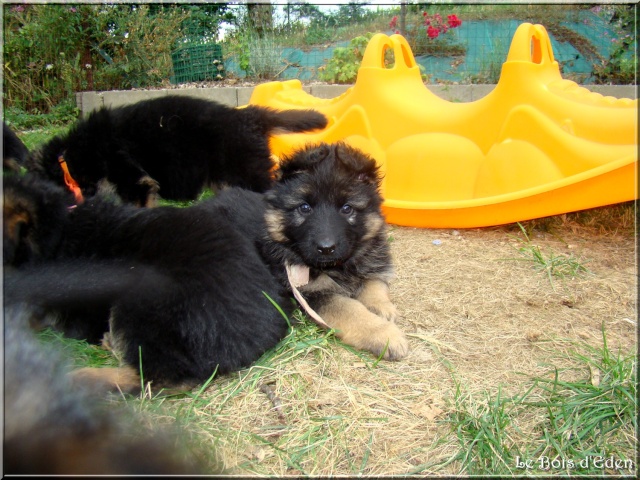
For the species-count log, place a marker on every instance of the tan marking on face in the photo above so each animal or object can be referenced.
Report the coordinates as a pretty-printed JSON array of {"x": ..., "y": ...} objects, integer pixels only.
[
  {"x": 374, "y": 224},
  {"x": 274, "y": 220}
]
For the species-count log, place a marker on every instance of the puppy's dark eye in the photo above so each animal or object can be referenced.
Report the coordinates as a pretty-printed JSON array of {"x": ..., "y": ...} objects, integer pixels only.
[
  {"x": 305, "y": 208},
  {"x": 346, "y": 209}
]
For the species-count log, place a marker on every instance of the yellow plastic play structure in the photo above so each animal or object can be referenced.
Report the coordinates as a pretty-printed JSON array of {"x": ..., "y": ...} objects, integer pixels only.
[{"x": 537, "y": 145}]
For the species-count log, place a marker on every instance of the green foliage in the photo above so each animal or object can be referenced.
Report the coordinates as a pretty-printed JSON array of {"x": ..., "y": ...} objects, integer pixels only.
[
  {"x": 317, "y": 34},
  {"x": 52, "y": 51},
  {"x": 345, "y": 62},
  {"x": 58, "y": 116},
  {"x": 621, "y": 67},
  {"x": 203, "y": 21},
  {"x": 351, "y": 13}
]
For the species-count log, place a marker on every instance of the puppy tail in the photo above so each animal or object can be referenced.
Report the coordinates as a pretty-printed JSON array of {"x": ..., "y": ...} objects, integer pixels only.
[
  {"x": 288, "y": 121},
  {"x": 80, "y": 283}
]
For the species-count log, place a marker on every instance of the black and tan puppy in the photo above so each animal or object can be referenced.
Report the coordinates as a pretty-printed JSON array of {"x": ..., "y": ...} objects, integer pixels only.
[
  {"x": 173, "y": 146},
  {"x": 181, "y": 292},
  {"x": 323, "y": 220}
]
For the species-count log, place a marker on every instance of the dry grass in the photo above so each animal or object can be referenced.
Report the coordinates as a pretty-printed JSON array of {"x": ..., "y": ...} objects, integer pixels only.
[{"x": 481, "y": 327}]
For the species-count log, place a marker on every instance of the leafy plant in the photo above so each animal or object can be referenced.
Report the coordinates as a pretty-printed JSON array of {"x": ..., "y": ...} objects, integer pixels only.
[
  {"x": 52, "y": 51},
  {"x": 345, "y": 62},
  {"x": 621, "y": 67}
]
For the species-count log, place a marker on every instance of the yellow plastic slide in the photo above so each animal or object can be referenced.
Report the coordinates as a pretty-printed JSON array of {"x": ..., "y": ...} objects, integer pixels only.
[{"x": 537, "y": 145}]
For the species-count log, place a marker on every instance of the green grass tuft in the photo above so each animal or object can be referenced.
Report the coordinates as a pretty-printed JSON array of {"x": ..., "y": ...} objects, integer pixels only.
[
  {"x": 582, "y": 422},
  {"x": 559, "y": 266},
  {"x": 79, "y": 352}
]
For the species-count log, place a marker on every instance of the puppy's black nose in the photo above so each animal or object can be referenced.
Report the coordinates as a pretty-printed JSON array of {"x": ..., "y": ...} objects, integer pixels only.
[{"x": 326, "y": 247}]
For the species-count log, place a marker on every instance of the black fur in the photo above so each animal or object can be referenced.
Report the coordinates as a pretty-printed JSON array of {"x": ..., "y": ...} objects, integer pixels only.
[
  {"x": 178, "y": 144},
  {"x": 193, "y": 302},
  {"x": 14, "y": 151}
]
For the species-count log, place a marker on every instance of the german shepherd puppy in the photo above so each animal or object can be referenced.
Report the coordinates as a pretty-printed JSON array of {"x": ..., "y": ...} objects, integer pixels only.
[
  {"x": 53, "y": 426},
  {"x": 323, "y": 220},
  {"x": 172, "y": 146},
  {"x": 181, "y": 292}
]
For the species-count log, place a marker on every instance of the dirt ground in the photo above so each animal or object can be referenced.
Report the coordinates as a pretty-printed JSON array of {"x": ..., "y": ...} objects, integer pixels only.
[
  {"x": 480, "y": 319},
  {"x": 477, "y": 298}
]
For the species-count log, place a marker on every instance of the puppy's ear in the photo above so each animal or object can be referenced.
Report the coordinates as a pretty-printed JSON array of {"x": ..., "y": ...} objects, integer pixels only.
[
  {"x": 303, "y": 160},
  {"x": 358, "y": 162}
]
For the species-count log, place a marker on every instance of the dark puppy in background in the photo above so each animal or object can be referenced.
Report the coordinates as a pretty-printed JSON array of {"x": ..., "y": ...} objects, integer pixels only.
[
  {"x": 173, "y": 146},
  {"x": 180, "y": 291},
  {"x": 54, "y": 427},
  {"x": 323, "y": 221},
  {"x": 14, "y": 151}
]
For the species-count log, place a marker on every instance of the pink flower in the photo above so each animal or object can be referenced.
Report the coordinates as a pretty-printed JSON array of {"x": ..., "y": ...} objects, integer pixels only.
[
  {"x": 393, "y": 22},
  {"x": 453, "y": 21},
  {"x": 432, "y": 32},
  {"x": 72, "y": 10}
]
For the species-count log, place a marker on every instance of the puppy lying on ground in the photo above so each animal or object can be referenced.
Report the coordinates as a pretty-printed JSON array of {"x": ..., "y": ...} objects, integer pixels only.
[
  {"x": 181, "y": 293},
  {"x": 198, "y": 302},
  {"x": 173, "y": 146},
  {"x": 323, "y": 221}
]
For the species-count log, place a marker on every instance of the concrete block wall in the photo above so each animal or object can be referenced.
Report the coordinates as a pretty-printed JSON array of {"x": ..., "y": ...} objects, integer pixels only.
[{"x": 237, "y": 96}]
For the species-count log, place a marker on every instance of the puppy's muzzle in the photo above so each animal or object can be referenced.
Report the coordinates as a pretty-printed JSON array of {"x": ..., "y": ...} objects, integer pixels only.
[{"x": 326, "y": 246}]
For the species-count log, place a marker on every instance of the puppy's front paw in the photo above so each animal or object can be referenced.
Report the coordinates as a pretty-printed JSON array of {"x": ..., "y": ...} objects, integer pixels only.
[
  {"x": 375, "y": 296},
  {"x": 391, "y": 338},
  {"x": 384, "y": 309},
  {"x": 356, "y": 325}
]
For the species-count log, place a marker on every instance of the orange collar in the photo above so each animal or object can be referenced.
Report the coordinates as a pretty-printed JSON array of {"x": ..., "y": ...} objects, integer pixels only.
[{"x": 69, "y": 181}]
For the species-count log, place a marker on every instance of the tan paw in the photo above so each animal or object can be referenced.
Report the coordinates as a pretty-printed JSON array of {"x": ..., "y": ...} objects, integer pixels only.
[
  {"x": 359, "y": 327},
  {"x": 375, "y": 296},
  {"x": 384, "y": 309},
  {"x": 391, "y": 338}
]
